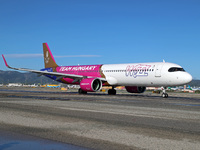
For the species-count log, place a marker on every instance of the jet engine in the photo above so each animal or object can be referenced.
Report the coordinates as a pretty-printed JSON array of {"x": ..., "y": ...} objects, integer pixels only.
[
  {"x": 91, "y": 84},
  {"x": 135, "y": 89}
]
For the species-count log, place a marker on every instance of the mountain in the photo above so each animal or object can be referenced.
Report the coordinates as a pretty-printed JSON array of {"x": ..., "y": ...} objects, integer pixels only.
[
  {"x": 24, "y": 78},
  {"x": 195, "y": 83}
]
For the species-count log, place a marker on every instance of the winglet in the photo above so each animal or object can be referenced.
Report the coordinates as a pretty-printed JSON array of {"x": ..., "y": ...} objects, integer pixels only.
[{"x": 5, "y": 61}]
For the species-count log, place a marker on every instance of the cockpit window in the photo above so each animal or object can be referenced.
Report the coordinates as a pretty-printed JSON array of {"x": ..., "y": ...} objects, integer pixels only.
[{"x": 174, "y": 69}]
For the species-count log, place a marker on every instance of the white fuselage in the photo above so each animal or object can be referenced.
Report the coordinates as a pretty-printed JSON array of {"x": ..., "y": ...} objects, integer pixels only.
[{"x": 145, "y": 74}]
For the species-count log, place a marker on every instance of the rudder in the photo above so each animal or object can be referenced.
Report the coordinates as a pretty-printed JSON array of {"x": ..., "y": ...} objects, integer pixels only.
[{"x": 49, "y": 61}]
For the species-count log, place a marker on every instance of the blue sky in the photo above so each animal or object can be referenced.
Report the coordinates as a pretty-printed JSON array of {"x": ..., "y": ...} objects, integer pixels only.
[{"x": 109, "y": 31}]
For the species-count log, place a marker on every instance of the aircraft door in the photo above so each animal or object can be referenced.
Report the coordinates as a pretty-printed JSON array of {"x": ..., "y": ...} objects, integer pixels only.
[{"x": 158, "y": 70}]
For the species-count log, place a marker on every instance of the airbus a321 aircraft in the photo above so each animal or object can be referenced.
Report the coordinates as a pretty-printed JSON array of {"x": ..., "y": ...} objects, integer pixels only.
[{"x": 135, "y": 76}]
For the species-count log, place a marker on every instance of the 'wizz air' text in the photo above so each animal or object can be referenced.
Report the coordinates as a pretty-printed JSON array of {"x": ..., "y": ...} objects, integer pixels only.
[{"x": 139, "y": 70}]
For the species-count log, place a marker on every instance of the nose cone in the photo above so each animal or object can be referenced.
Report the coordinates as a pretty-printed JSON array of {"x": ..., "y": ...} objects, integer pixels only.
[{"x": 187, "y": 78}]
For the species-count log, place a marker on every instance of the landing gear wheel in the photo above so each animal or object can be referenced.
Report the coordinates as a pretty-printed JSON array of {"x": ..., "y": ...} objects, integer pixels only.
[
  {"x": 111, "y": 92},
  {"x": 165, "y": 95},
  {"x": 80, "y": 91}
]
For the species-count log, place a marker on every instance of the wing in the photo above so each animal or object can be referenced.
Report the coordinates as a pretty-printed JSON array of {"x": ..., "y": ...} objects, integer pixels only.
[{"x": 57, "y": 74}]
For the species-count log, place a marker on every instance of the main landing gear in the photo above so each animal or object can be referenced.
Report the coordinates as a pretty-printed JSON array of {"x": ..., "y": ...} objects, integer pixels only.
[
  {"x": 112, "y": 91},
  {"x": 80, "y": 91},
  {"x": 164, "y": 94}
]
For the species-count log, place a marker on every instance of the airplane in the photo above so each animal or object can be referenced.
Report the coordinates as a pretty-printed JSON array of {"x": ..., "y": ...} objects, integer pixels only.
[
  {"x": 173, "y": 88},
  {"x": 192, "y": 88},
  {"x": 134, "y": 76}
]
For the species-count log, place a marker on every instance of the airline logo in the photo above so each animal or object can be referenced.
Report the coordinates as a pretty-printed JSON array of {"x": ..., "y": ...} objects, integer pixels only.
[
  {"x": 139, "y": 70},
  {"x": 46, "y": 58}
]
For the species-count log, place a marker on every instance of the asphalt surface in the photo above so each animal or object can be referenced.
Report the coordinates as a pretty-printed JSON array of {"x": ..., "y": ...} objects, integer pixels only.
[{"x": 99, "y": 121}]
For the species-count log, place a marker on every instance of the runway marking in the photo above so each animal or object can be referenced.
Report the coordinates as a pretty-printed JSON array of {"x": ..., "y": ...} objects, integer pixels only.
[{"x": 185, "y": 104}]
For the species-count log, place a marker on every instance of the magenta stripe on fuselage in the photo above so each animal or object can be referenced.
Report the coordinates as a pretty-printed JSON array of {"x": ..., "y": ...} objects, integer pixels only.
[{"x": 84, "y": 70}]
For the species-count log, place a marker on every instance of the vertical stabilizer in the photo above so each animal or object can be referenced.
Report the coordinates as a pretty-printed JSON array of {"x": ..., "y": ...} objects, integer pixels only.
[{"x": 49, "y": 61}]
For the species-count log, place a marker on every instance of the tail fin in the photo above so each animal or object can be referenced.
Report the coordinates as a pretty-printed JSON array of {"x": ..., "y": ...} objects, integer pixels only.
[{"x": 49, "y": 61}]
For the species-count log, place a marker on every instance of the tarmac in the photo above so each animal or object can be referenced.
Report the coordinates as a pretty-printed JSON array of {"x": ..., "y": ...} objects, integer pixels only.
[{"x": 99, "y": 121}]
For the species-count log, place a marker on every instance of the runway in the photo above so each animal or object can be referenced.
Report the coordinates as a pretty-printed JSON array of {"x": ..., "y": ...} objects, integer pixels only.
[{"x": 99, "y": 121}]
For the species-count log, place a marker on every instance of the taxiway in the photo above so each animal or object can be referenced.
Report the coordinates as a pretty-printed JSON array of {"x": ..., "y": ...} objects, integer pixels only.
[{"x": 99, "y": 121}]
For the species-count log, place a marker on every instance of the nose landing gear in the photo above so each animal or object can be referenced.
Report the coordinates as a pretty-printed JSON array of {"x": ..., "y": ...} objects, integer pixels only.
[{"x": 164, "y": 94}]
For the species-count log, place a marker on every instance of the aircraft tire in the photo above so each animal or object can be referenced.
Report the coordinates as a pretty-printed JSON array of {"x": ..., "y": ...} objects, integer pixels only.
[
  {"x": 164, "y": 95},
  {"x": 80, "y": 91},
  {"x": 112, "y": 92}
]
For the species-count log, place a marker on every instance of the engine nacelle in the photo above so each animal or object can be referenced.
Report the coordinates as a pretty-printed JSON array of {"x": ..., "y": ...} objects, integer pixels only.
[
  {"x": 91, "y": 84},
  {"x": 135, "y": 89}
]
